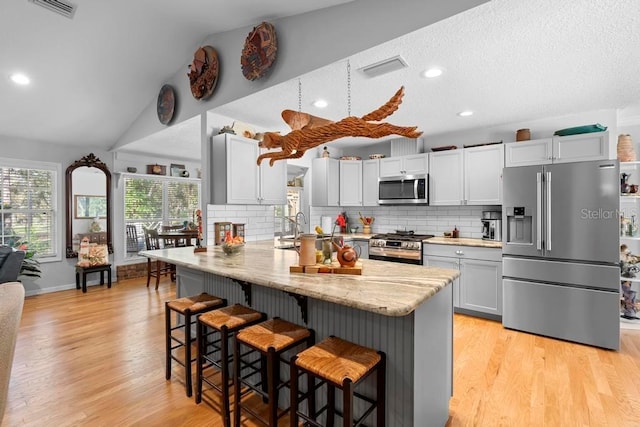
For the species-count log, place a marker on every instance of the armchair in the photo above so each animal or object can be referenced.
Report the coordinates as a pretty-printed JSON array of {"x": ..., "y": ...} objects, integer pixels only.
[{"x": 10, "y": 264}]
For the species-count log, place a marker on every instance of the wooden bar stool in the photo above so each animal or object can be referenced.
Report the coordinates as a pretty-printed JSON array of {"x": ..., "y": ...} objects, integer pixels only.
[
  {"x": 271, "y": 339},
  {"x": 213, "y": 332},
  {"x": 343, "y": 365},
  {"x": 189, "y": 307}
]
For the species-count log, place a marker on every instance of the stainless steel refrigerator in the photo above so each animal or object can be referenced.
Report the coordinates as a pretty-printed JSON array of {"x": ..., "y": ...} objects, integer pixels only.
[{"x": 560, "y": 269}]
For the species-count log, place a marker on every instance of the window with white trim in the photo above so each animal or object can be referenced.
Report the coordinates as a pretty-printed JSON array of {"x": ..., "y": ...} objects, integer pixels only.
[
  {"x": 151, "y": 202},
  {"x": 28, "y": 198}
]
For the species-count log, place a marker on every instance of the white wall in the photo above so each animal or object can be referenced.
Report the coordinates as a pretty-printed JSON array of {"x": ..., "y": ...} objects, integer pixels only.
[{"x": 58, "y": 274}]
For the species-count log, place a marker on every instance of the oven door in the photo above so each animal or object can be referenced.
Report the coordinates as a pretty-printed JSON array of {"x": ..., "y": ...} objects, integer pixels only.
[
  {"x": 395, "y": 255},
  {"x": 408, "y": 189}
]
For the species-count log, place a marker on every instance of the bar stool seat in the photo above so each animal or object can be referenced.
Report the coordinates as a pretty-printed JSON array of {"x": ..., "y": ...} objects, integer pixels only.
[
  {"x": 224, "y": 322},
  {"x": 189, "y": 307},
  {"x": 271, "y": 338},
  {"x": 340, "y": 364}
]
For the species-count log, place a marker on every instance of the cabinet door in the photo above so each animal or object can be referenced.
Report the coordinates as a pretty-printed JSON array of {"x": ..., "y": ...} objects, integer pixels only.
[
  {"x": 242, "y": 171},
  {"x": 415, "y": 164},
  {"x": 350, "y": 183},
  {"x": 582, "y": 147},
  {"x": 524, "y": 153},
  {"x": 325, "y": 182},
  {"x": 391, "y": 166},
  {"x": 481, "y": 286},
  {"x": 370, "y": 173},
  {"x": 483, "y": 175},
  {"x": 445, "y": 178},
  {"x": 273, "y": 183},
  {"x": 444, "y": 262}
]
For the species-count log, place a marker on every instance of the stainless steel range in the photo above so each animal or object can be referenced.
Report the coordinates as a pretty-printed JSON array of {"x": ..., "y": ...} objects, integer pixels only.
[{"x": 402, "y": 246}]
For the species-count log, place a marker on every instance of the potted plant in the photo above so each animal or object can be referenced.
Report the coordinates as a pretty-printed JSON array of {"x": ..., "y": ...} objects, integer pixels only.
[{"x": 30, "y": 265}]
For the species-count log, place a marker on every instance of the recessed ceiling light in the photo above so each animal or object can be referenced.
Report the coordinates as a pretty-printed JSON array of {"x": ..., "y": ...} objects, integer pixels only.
[
  {"x": 465, "y": 113},
  {"x": 432, "y": 72},
  {"x": 19, "y": 79},
  {"x": 320, "y": 103}
]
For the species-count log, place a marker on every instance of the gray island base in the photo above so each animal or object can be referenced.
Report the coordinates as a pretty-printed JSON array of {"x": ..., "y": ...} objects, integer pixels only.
[{"x": 404, "y": 310}]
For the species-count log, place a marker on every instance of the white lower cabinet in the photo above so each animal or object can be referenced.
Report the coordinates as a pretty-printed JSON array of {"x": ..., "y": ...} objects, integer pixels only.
[{"x": 479, "y": 287}]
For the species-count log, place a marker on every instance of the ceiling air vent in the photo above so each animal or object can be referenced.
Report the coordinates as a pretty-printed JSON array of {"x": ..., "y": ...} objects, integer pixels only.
[
  {"x": 384, "y": 66},
  {"x": 64, "y": 8}
]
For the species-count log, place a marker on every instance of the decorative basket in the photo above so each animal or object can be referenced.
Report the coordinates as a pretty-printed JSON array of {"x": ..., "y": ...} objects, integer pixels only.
[{"x": 626, "y": 152}]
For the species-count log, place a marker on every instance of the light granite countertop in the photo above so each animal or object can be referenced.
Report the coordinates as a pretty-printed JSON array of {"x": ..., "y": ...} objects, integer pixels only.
[
  {"x": 396, "y": 291},
  {"x": 463, "y": 241}
]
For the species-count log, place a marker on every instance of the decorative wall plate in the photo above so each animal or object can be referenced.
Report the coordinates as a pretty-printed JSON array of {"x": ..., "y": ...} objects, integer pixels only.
[
  {"x": 166, "y": 104},
  {"x": 203, "y": 72},
  {"x": 259, "y": 51}
]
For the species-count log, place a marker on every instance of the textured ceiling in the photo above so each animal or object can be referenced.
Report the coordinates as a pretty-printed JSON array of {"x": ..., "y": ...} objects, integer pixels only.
[{"x": 508, "y": 61}]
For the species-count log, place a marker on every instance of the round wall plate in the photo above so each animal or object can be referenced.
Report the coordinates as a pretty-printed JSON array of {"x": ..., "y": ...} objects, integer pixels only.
[
  {"x": 166, "y": 104},
  {"x": 203, "y": 72},
  {"x": 259, "y": 51}
]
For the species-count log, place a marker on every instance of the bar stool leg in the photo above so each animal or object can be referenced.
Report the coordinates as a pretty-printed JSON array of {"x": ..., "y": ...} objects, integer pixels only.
[
  {"x": 381, "y": 384},
  {"x": 347, "y": 403},
  {"x": 167, "y": 328},
  {"x": 224, "y": 374},
  {"x": 273, "y": 379},
  {"x": 236, "y": 383},
  {"x": 187, "y": 352},
  {"x": 202, "y": 345},
  {"x": 293, "y": 410}
]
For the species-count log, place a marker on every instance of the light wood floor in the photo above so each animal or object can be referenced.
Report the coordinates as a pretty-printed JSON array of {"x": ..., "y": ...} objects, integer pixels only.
[{"x": 97, "y": 359}]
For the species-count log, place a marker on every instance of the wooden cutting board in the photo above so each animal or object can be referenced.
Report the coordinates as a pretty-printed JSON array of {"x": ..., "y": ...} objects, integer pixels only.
[{"x": 326, "y": 269}]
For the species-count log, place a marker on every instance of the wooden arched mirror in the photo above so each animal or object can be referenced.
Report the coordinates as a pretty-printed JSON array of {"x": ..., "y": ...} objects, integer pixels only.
[{"x": 88, "y": 204}]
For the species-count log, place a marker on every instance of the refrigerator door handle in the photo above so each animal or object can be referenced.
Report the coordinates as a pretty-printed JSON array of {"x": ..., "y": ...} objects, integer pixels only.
[
  {"x": 547, "y": 245},
  {"x": 539, "y": 211}
]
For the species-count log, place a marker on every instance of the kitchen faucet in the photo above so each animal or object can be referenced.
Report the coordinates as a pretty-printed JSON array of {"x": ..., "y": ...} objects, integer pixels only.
[{"x": 297, "y": 223}]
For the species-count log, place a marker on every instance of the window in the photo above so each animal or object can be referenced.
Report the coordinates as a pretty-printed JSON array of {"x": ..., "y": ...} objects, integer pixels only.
[
  {"x": 28, "y": 195},
  {"x": 152, "y": 202}
]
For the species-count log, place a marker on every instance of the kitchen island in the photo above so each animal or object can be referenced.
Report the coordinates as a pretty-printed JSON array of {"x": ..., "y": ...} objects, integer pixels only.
[{"x": 403, "y": 310}]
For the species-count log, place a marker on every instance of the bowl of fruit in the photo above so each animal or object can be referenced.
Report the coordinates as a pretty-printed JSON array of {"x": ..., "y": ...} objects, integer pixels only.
[{"x": 232, "y": 245}]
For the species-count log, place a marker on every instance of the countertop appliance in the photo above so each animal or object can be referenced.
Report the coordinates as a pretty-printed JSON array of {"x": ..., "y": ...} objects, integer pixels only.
[
  {"x": 492, "y": 225},
  {"x": 560, "y": 251},
  {"x": 401, "y": 246},
  {"x": 403, "y": 190}
]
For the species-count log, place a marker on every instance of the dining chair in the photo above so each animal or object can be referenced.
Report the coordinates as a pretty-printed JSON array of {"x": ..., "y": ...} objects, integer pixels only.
[
  {"x": 156, "y": 268},
  {"x": 132, "y": 238}
]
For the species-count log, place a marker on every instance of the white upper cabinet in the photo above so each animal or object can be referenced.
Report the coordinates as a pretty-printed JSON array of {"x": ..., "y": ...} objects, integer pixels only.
[
  {"x": 446, "y": 172},
  {"x": 370, "y": 174},
  {"x": 350, "y": 183},
  {"x": 236, "y": 177},
  {"x": 412, "y": 164},
  {"x": 582, "y": 147},
  {"x": 325, "y": 182},
  {"x": 483, "y": 175},
  {"x": 559, "y": 149},
  {"x": 471, "y": 176}
]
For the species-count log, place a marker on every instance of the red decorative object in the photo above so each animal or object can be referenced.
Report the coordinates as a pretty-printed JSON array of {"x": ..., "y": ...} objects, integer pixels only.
[
  {"x": 199, "y": 247},
  {"x": 259, "y": 51},
  {"x": 203, "y": 72}
]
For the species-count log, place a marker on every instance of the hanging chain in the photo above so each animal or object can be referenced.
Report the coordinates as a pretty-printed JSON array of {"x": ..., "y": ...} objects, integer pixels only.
[
  {"x": 299, "y": 96},
  {"x": 348, "y": 88}
]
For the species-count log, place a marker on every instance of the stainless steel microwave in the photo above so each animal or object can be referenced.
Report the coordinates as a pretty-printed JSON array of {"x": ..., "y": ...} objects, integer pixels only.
[{"x": 403, "y": 190}]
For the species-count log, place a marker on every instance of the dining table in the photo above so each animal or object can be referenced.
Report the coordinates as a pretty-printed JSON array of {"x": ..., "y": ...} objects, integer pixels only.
[{"x": 176, "y": 238}]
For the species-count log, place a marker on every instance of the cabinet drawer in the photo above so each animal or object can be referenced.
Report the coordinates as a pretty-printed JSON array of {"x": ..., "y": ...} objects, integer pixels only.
[{"x": 471, "y": 252}]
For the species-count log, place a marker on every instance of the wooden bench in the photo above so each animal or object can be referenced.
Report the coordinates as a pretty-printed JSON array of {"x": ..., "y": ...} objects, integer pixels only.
[{"x": 92, "y": 269}]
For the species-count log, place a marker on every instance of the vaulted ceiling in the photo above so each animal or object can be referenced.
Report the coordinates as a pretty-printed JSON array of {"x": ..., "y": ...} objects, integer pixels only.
[{"x": 508, "y": 61}]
